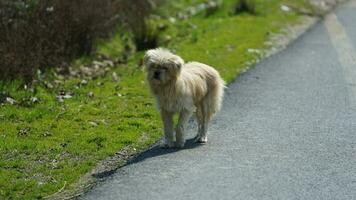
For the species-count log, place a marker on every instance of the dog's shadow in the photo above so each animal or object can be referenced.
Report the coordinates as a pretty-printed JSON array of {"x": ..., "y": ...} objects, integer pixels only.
[{"x": 156, "y": 150}]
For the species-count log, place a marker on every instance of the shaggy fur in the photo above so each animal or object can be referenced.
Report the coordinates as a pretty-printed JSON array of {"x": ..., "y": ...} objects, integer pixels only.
[{"x": 183, "y": 88}]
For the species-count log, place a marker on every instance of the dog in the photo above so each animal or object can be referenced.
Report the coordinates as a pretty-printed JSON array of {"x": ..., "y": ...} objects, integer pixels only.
[{"x": 183, "y": 88}]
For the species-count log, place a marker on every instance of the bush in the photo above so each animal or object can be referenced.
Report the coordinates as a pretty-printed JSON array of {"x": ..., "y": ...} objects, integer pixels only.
[
  {"x": 144, "y": 32},
  {"x": 39, "y": 34},
  {"x": 245, "y": 6}
]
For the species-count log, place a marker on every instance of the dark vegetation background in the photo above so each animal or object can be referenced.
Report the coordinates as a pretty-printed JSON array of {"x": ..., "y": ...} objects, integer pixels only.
[{"x": 40, "y": 34}]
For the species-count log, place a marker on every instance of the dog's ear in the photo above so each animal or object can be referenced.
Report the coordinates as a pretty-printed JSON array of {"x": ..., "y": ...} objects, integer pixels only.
[
  {"x": 178, "y": 62},
  {"x": 147, "y": 57}
]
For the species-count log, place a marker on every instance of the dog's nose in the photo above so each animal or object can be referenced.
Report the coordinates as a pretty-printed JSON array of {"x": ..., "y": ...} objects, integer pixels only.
[{"x": 156, "y": 75}]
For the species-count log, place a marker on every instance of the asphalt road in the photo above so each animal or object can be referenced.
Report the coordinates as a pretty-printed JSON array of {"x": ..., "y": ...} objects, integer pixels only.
[{"x": 287, "y": 131}]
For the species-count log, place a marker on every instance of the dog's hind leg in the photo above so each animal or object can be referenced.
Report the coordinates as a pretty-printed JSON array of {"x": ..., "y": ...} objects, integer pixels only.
[
  {"x": 210, "y": 105},
  {"x": 202, "y": 136},
  {"x": 167, "y": 118},
  {"x": 200, "y": 120},
  {"x": 181, "y": 126},
  {"x": 206, "y": 118}
]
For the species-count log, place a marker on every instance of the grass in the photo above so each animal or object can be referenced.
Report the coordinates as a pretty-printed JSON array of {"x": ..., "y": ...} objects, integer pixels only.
[
  {"x": 47, "y": 145},
  {"x": 52, "y": 143}
]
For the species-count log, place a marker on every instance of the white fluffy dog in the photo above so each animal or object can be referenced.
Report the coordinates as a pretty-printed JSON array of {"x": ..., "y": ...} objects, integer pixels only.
[{"x": 183, "y": 88}]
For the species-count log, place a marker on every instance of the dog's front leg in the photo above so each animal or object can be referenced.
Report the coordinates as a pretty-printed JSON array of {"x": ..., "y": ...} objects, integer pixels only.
[
  {"x": 167, "y": 118},
  {"x": 180, "y": 130}
]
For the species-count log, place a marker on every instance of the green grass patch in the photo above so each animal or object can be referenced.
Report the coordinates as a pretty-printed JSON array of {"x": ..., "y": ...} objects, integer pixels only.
[{"x": 49, "y": 144}]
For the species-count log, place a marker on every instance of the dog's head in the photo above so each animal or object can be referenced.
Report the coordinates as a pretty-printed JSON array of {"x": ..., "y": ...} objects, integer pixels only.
[{"x": 162, "y": 66}]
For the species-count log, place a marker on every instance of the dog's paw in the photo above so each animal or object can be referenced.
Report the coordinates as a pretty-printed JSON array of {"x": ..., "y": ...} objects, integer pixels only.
[
  {"x": 180, "y": 145},
  {"x": 165, "y": 144},
  {"x": 201, "y": 139}
]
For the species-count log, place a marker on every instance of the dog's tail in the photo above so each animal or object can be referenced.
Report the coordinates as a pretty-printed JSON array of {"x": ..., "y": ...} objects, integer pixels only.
[{"x": 215, "y": 97}]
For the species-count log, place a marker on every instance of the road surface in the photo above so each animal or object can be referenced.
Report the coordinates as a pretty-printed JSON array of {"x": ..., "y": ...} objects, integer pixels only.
[{"x": 287, "y": 130}]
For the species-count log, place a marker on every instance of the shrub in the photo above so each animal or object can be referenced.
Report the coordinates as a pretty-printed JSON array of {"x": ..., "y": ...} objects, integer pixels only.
[
  {"x": 144, "y": 32},
  {"x": 39, "y": 34},
  {"x": 247, "y": 6}
]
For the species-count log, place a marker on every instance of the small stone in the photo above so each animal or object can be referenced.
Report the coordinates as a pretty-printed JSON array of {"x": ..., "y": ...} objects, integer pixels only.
[
  {"x": 172, "y": 20},
  {"x": 94, "y": 124},
  {"x": 285, "y": 8},
  {"x": 99, "y": 64},
  {"x": 212, "y": 4},
  {"x": 115, "y": 77},
  {"x": 200, "y": 7},
  {"x": 63, "y": 95},
  {"x": 192, "y": 11},
  {"x": 167, "y": 38},
  {"x": 59, "y": 99},
  {"x": 73, "y": 73},
  {"x": 253, "y": 51},
  {"x": 50, "y": 9},
  {"x": 67, "y": 96},
  {"x": 97, "y": 67},
  {"x": 10, "y": 100},
  {"x": 83, "y": 82},
  {"x": 46, "y": 134},
  {"x": 109, "y": 63},
  {"x": 90, "y": 94},
  {"x": 34, "y": 100},
  {"x": 49, "y": 85},
  {"x": 182, "y": 16}
]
